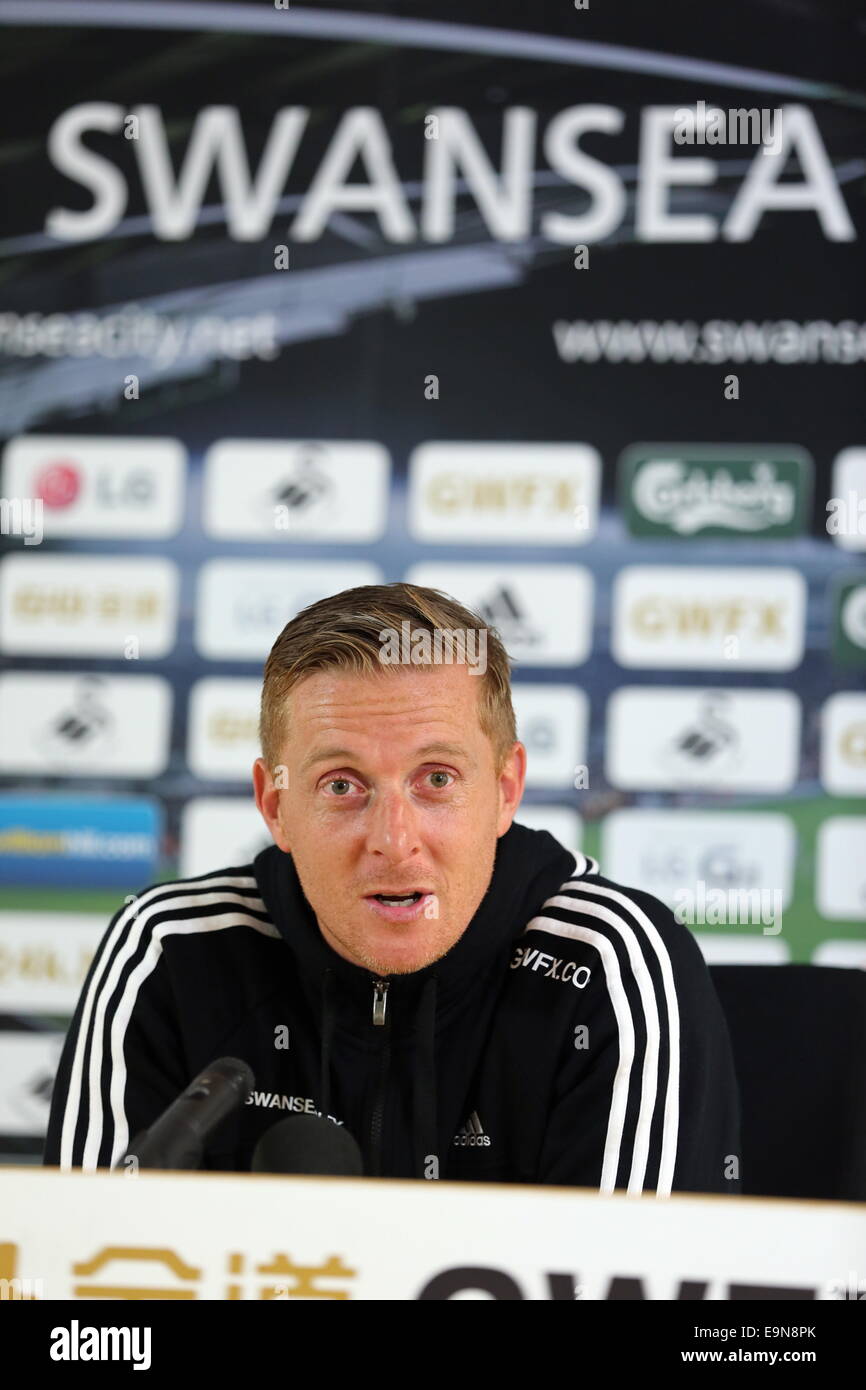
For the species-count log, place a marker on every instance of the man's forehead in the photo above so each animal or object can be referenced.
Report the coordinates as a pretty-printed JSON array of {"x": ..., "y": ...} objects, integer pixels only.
[
  {"x": 440, "y": 691},
  {"x": 419, "y": 708}
]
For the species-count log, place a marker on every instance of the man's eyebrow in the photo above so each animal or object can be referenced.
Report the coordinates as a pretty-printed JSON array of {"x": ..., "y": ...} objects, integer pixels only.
[{"x": 454, "y": 750}]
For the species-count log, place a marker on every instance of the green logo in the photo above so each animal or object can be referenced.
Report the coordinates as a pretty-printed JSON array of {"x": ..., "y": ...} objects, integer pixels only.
[
  {"x": 688, "y": 490},
  {"x": 849, "y": 621}
]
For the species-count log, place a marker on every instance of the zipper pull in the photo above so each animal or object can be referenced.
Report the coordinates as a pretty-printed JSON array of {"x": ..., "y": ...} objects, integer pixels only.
[{"x": 380, "y": 1002}]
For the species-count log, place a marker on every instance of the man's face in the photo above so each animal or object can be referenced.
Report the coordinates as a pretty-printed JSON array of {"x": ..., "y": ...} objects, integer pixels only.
[{"x": 390, "y": 786}]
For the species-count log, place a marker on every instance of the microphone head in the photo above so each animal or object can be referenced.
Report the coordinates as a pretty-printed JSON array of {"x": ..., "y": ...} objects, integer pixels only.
[
  {"x": 236, "y": 1072},
  {"x": 176, "y": 1138},
  {"x": 308, "y": 1144}
]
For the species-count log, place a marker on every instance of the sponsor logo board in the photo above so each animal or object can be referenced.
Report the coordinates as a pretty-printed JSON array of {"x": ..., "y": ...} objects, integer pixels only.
[
  {"x": 552, "y": 722},
  {"x": 522, "y": 494},
  {"x": 843, "y": 745},
  {"x": 846, "y": 509},
  {"x": 666, "y": 851},
  {"x": 740, "y": 949},
  {"x": 44, "y": 958},
  {"x": 243, "y": 605},
  {"x": 29, "y": 1066},
  {"x": 223, "y": 739},
  {"x": 543, "y": 613},
  {"x": 86, "y": 605},
  {"x": 99, "y": 486},
  {"x": 846, "y": 955},
  {"x": 561, "y": 822},
  {"x": 840, "y": 881},
  {"x": 219, "y": 832},
  {"x": 684, "y": 491},
  {"x": 84, "y": 724},
  {"x": 669, "y": 737},
  {"x": 288, "y": 490},
  {"x": 849, "y": 620},
  {"x": 700, "y": 617},
  {"x": 86, "y": 842}
]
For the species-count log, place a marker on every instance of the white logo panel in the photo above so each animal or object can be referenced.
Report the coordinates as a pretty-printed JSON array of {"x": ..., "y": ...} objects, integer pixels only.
[
  {"x": 525, "y": 494},
  {"x": 99, "y": 485},
  {"x": 84, "y": 725},
  {"x": 223, "y": 739},
  {"x": 844, "y": 955},
  {"x": 853, "y": 617},
  {"x": 846, "y": 510},
  {"x": 666, "y": 737},
  {"x": 243, "y": 605},
  {"x": 840, "y": 888},
  {"x": 219, "y": 832},
  {"x": 44, "y": 957},
  {"x": 698, "y": 617},
  {"x": 665, "y": 852},
  {"x": 552, "y": 722},
  {"x": 76, "y": 605},
  {"x": 561, "y": 822},
  {"x": 291, "y": 489},
  {"x": 30, "y": 1062},
  {"x": 739, "y": 949},
  {"x": 543, "y": 613},
  {"x": 843, "y": 745}
]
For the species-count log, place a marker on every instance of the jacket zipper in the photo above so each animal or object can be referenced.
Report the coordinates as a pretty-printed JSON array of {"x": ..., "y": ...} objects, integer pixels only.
[
  {"x": 380, "y": 1002},
  {"x": 380, "y": 1020}
]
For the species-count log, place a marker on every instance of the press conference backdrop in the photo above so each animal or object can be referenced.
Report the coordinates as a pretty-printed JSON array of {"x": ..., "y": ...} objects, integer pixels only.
[{"x": 298, "y": 299}]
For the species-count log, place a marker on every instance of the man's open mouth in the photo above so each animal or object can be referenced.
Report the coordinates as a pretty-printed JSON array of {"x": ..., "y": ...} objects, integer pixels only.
[{"x": 399, "y": 899}]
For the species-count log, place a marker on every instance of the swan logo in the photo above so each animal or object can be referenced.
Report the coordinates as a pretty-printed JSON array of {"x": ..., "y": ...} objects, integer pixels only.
[
  {"x": 667, "y": 737},
  {"x": 708, "y": 739}
]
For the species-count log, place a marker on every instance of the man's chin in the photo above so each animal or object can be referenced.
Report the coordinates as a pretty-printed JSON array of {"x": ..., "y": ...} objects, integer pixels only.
[
  {"x": 403, "y": 966},
  {"x": 402, "y": 957}
]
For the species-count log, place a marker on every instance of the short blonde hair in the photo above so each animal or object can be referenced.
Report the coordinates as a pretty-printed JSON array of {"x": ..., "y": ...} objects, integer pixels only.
[{"x": 343, "y": 632}]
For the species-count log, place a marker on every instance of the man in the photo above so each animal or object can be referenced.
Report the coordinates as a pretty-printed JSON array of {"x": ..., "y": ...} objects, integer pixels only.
[{"x": 470, "y": 999}]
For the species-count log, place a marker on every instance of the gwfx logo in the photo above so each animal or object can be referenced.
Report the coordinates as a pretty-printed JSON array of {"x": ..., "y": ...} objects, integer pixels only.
[{"x": 579, "y": 975}]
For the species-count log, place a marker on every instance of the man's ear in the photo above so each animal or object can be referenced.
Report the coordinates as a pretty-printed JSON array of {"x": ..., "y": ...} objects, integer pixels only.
[
  {"x": 267, "y": 788},
  {"x": 512, "y": 779}
]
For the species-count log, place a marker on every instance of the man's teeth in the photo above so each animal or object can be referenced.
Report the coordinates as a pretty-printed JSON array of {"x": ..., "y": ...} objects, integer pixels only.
[{"x": 392, "y": 898}]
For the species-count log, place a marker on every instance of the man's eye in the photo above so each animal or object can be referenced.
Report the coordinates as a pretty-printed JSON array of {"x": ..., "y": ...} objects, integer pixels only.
[
  {"x": 340, "y": 782},
  {"x": 446, "y": 775}
]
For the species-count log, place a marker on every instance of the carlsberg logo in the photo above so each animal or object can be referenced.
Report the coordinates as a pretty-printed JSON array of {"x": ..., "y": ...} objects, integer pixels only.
[
  {"x": 690, "y": 495},
  {"x": 691, "y": 499}
]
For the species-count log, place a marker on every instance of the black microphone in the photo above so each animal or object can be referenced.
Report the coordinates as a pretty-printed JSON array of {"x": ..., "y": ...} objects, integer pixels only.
[
  {"x": 176, "y": 1139},
  {"x": 308, "y": 1144}
]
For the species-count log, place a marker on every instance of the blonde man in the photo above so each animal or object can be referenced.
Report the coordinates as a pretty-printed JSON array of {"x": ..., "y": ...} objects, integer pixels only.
[{"x": 467, "y": 997}]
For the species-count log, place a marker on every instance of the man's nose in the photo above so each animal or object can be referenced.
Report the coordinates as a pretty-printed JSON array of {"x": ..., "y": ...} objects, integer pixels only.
[{"x": 392, "y": 829}]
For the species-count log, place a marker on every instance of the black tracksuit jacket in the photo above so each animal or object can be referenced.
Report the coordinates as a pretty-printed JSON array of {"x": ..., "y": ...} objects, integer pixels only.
[{"x": 571, "y": 1036}]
